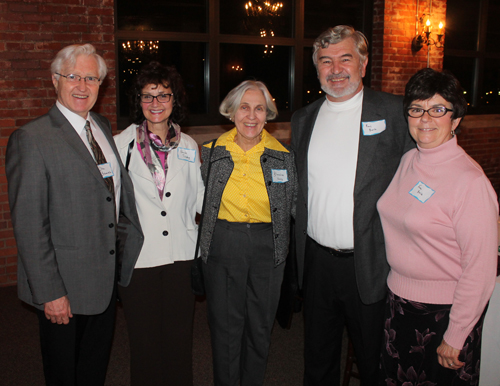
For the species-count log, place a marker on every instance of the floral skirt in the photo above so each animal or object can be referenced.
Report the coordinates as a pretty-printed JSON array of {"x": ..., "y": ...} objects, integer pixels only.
[{"x": 413, "y": 332}]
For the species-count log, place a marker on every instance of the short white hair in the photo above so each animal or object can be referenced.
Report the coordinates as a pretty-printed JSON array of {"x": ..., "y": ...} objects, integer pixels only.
[
  {"x": 68, "y": 55},
  {"x": 232, "y": 101}
]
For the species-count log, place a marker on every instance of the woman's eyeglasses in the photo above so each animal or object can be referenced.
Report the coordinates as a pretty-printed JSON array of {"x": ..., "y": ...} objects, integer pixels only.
[
  {"x": 434, "y": 112},
  {"x": 162, "y": 98}
]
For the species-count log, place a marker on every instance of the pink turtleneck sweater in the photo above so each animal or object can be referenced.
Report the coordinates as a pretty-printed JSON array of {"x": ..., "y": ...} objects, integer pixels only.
[{"x": 439, "y": 216}]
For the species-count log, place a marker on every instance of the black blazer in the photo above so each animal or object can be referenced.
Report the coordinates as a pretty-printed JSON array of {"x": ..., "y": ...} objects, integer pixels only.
[{"x": 378, "y": 160}]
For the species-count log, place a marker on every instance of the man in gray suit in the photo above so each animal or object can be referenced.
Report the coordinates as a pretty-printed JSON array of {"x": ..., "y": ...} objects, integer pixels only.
[
  {"x": 67, "y": 187},
  {"x": 348, "y": 146}
]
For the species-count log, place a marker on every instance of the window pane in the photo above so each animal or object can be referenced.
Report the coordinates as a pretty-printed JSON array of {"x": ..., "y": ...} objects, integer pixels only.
[
  {"x": 161, "y": 15},
  {"x": 187, "y": 57},
  {"x": 463, "y": 69},
  {"x": 256, "y": 17},
  {"x": 462, "y": 20},
  {"x": 319, "y": 15},
  {"x": 270, "y": 65},
  {"x": 312, "y": 89},
  {"x": 491, "y": 83},
  {"x": 493, "y": 31}
]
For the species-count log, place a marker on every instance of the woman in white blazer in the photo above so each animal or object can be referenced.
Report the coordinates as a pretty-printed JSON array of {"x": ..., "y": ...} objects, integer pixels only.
[{"x": 164, "y": 165}]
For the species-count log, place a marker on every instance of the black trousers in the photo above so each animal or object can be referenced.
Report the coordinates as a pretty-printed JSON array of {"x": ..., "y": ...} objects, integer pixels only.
[
  {"x": 243, "y": 290},
  {"x": 77, "y": 353},
  {"x": 331, "y": 301},
  {"x": 159, "y": 307}
]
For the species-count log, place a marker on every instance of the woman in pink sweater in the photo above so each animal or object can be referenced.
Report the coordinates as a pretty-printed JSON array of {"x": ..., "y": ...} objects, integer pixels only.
[{"x": 439, "y": 216}]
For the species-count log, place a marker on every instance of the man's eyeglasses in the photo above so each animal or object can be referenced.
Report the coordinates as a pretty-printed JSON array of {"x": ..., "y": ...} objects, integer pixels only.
[
  {"x": 148, "y": 98},
  {"x": 72, "y": 78},
  {"x": 434, "y": 112}
]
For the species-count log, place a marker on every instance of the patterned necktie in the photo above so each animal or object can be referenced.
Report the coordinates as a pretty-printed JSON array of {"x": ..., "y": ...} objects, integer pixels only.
[{"x": 99, "y": 157}]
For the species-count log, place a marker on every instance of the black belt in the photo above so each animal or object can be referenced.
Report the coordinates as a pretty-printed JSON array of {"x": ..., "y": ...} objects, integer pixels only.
[{"x": 335, "y": 252}]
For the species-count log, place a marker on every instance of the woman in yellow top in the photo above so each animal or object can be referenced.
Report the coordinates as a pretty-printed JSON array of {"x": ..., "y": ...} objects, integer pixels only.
[{"x": 245, "y": 234}]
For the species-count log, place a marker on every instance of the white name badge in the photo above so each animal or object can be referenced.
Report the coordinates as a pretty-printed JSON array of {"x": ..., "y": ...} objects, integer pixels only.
[
  {"x": 373, "y": 128},
  {"x": 422, "y": 192},
  {"x": 280, "y": 175},
  {"x": 106, "y": 170},
  {"x": 186, "y": 154}
]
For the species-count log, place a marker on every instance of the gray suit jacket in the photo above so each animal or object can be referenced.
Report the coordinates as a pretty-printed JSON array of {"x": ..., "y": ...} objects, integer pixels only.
[
  {"x": 378, "y": 160},
  {"x": 63, "y": 215}
]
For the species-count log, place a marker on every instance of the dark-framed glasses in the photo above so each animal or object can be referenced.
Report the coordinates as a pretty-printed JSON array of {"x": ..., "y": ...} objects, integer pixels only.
[
  {"x": 148, "y": 98},
  {"x": 73, "y": 78},
  {"x": 434, "y": 112}
]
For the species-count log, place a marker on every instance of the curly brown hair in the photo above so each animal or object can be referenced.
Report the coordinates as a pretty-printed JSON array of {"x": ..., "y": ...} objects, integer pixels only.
[{"x": 156, "y": 73}]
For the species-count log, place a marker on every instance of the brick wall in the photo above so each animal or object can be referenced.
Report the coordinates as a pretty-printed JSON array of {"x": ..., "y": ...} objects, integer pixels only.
[
  {"x": 479, "y": 135},
  {"x": 31, "y": 33},
  {"x": 393, "y": 63}
]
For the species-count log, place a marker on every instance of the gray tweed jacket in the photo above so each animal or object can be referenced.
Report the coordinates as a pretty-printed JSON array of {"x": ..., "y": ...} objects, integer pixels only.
[{"x": 281, "y": 195}]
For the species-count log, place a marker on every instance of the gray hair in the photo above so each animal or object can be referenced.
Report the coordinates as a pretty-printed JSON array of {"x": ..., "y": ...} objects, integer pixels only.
[
  {"x": 232, "y": 101},
  {"x": 68, "y": 55},
  {"x": 336, "y": 35}
]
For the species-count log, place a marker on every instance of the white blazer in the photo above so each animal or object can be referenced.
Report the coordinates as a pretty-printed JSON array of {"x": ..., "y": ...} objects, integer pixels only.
[{"x": 169, "y": 225}]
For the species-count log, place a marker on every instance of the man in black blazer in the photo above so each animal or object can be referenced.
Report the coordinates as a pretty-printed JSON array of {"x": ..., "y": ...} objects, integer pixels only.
[
  {"x": 67, "y": 187},
  {"x": 348, "y": 146}
]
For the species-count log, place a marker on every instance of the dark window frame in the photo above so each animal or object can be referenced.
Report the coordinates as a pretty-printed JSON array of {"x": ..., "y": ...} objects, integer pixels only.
[{"x": 213, "y": 39}]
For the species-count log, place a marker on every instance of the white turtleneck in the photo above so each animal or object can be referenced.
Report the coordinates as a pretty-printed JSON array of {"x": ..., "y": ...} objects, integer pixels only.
[{"x": 332, "y": 160}]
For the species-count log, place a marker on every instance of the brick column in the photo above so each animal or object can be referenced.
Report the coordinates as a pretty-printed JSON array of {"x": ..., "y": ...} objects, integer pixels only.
[
  {"x": 31, "y": 33},
  {"x": 393, "y": 61}
]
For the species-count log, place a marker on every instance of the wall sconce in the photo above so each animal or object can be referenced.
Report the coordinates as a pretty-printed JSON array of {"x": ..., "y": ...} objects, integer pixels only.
[{"x": 424, "y": 37}]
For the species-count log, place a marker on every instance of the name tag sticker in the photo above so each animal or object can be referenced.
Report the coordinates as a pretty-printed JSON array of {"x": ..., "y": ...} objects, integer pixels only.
[
  {"x": 186, "y": 154},
  {"x": 373, "y": 128},
  {"x": 106, "y": 170},
  {"x": 280, "y": 175},
  {"x": 422, "y": 192}
]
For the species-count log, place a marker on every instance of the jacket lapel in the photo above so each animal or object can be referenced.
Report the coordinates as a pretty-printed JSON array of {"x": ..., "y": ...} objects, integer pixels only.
[
  {"x": 175, "y": 165},
  {"x": 367, "y": 143},
  {"x": 69, "y": 135},
  {"x": 307, "y": 123},
  {"x": 138, "y": 166}
]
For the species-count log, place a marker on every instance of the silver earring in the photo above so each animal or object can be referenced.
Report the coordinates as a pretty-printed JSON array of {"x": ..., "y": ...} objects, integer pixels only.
[{"x": 452, "y": 133}]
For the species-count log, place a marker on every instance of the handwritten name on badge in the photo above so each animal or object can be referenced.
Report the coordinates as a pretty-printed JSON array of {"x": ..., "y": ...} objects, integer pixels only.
[
  {"x": 280, "y": 175},
  {"x": 373, "y": 128},
  {"x": 186, "y": 154},
  {"x": 422, "y": 192},
  {"x": 106, "y": 170}
]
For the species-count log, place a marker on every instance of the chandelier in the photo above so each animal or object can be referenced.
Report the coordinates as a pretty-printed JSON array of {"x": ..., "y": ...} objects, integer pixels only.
[
  {"x": 260, "y": 19},
  {"x": 141, "y": 47},
  {"x": 257, "y": 8}
]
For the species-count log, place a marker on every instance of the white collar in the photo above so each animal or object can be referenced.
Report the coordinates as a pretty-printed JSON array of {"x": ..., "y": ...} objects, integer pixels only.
[{"x": 74, "y": 119}]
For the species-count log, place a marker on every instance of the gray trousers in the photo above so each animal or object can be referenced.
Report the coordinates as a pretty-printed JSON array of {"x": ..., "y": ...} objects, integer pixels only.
[{"x": 243, "y": 290}]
